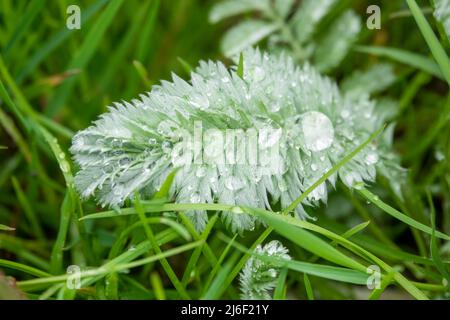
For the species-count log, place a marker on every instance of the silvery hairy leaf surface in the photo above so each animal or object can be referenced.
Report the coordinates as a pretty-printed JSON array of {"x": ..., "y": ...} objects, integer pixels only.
[{"x": 255, "y": 139}]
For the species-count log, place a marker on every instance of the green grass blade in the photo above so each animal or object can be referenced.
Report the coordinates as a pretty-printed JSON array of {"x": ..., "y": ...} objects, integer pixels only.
[
  {"x": 219, "y": 284},
  {"x": 408, "y": 58},
  {"x": 433, "y": 243},
  {"x": 32, "y": 11},
  {"x": 157, "y": 285},
  {"x": 398, "y": 215},
  {"x": 29, "y": 211},
  {"x": 55, "y": 41},
  {"x": 106, "y": 269},
  {"x": 307, "y": 240},
  {"x": 56, "y": 259},
  {"x": 24, "y": 268},
  {"x": 308, "y": 288},
  {"x": 280, "y": 289},
  {"x": 190, "y": 267},
  {"x": 433, "y": 42},
  {"x": 165, "y": 264},
  {"x": 218, "y": 264}
]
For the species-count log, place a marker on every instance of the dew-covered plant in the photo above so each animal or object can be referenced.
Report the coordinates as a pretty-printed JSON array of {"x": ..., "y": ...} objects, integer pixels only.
[
  {"x": 259, "y": 277},
  {"x": 300, "y": 124},
  {"x": 290, "y": 26}
]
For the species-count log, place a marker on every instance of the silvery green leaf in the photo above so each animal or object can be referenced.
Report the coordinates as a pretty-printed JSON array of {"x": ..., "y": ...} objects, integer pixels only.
[
  {"x": 308, "y": 16},
  {"x": 311, "y": 125},
  {"x": 336, "y": 43},
  {"x": 372, "y": 81},
  {"x": 245, "y": 34},
  {"x": 442, "y": 14},
  {"x": 229, "y": 8}
]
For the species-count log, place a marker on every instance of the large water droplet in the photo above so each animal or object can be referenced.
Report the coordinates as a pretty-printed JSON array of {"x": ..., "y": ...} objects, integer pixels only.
[{"x": 318, "y": 131}]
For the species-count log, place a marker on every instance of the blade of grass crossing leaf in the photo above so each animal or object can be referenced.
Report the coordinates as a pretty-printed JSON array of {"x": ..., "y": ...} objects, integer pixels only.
[
  {"x": 433, "y": 42},
  {"x": 330, "y": 172}
]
